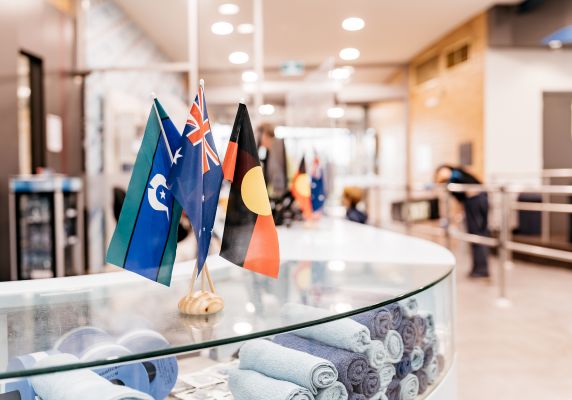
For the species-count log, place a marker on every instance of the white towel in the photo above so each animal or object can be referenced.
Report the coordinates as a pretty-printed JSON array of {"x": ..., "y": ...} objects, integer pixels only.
[
  {"x": 376, "y": 354},
  {"x": 394, "y": 346},
  {"x": 250, "y": 385},
  {"x": 335, "y": 392}
]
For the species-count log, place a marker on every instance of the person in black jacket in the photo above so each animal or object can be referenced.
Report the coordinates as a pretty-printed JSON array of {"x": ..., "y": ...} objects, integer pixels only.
[{"x": 476, "y": 205}]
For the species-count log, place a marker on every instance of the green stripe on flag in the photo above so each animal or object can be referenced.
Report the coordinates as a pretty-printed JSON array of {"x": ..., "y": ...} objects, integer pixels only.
[
  {"x": 170, "y": 250},
  {"x": 119, "y": 246}
]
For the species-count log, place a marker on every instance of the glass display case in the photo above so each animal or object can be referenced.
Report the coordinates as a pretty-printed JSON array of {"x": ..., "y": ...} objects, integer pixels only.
[{"x": 323, "y": 329}]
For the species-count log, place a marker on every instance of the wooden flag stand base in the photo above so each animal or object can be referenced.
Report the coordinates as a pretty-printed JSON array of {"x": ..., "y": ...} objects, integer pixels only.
[{"x": 202, "y": 301}]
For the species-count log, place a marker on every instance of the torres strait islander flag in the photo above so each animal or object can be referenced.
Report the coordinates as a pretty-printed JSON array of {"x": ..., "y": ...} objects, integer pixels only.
[
  {"x": 250, "y": 239},
  {"x": 301, "y": 189},
  {"x": 145, "y": 238}
]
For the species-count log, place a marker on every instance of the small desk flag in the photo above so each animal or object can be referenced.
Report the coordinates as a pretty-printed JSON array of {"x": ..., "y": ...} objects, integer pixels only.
[
  {"x": 301, "y": 189},
  {"x": 197, "y": 176},
  {"x": 250, "y": 239},
  {"x": 145, "y": 238},
  {"x": 318, "y": 192}
]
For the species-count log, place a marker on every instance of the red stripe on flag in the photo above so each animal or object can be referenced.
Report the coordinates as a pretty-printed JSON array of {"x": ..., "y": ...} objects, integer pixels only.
[
  {"x": 263, "y": 254},
  {"x": 230, "y": 161}
]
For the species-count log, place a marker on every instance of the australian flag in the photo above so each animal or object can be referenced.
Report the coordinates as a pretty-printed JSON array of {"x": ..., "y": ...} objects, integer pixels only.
[{"x": 197, "y": 177}]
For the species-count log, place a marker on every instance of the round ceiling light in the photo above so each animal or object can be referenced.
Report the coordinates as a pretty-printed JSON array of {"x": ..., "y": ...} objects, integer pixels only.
[
  {"x": 238, "y": 57},
  {"x": 335, "y": 112},
  {"x": 266, "y": 109},
  {"x": 249, "y": 76},
  {"x": 349, "y": 54},
  {"x": 228, "y": 9},
  {"x": 341, "y": 74},
  {"x": 245, "y": 28},
  {"x": 222, "y": 28},
  {"x": 353, "y": 24}
]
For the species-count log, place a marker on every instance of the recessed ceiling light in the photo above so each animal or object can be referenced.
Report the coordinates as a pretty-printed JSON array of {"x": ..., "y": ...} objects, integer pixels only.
[
  {"x": 222, "y": 28},
  {"x": 341, "y": 74},
  {"x": 353, "y": 24},
  {"x": 249, "y": 76},
  {"x": 266, "y": 109},
  {"x": 335, "y": 112},
  {"x": 245, "y": 28},
  {"x": 238, "y": 57},
  {"x": 228, "y": 9},
  {"x": 555, "y": 44},
  {"x": 349, "y": 54}
]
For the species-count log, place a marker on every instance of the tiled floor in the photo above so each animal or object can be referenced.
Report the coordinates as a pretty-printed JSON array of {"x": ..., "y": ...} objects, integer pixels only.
[{"x": 521, "y": 351}]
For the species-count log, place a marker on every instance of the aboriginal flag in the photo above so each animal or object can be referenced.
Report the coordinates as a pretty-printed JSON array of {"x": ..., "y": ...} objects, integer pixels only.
[
  {"x": 301, "y": 189},
  {"x": 250, "y": 239}
]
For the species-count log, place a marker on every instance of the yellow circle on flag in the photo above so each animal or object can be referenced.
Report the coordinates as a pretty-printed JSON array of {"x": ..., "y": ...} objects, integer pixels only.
[
  {"x": 302, "y": 185},
  {"x": 253, "y": 191}
]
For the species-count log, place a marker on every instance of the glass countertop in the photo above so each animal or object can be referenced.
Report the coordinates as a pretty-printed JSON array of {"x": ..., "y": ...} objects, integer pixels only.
[{"x": 33, "y": 321}]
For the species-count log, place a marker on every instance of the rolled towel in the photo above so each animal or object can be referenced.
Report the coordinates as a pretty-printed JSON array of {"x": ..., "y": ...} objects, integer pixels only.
[
  {"x": 286, "y": 364},
  {"x": 429, "y": 323},
  {"x": 403, "y": 367},
  {"x": 386, "y": 374},
  {"x": 396, "y": 315},
  {"x": 428, "y": 353},
  {"x": 422, "y": 378},
  {"x": 376, "y": 354},
  {"x": 337, "y": 391},
  {"x": 357, "y": 396},
  {"x": 393, "y": 346},
  {"x": 344, "y": 333},
  {"x": 251, "y": 385},
  {"x": 432, "y": 371},
  {"x": 416, "y": 356},
  {"x": 377, "y": 321},
  {"x": 379, "y": 396},
  {"x": 79, "y": 384},
  {"x": 351, "y": 367},
  {"x": 393, "y": 389},
  {"x": 409, "y": 307},
  {"x": 370, "y": 384},
  {"x": 420, "y": 327},
  {"x": 408, "y": 334},
  {"x": 409, "y": 388}
]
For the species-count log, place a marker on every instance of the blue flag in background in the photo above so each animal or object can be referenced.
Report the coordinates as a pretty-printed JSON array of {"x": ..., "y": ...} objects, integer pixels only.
[
  {"x": 317, "y": 185},
  {"x": 145, "y": 238},
  {"x": 197, "y": 177}
]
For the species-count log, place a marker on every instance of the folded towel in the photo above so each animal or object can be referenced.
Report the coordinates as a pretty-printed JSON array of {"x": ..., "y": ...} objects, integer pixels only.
[
  {"x": 420, "y": 327},
  {"x": 344, "y": 333},
  {"x": 396, "y": 315},
  {"x": 286, "y": 364},
  {"x": 422, "y": 378},
  {"x": 409, "y": 388},
  {"x": 357, "y": 396},
  {"x": 337, "y": 391},
  {"x": 386, "y": 374},
  {"x": 432, "y": 371},
  {"x": 428, "y": 353},
  {"x": 251, "y": 385},
  {"x": 416, "y": 356},
  {"x": 351, "y": 367},
  {"x": 408, "y": 334},
  {"x": 409, "y": 307},
  {"x": 370, "y": 384},
  {"x": 377, "y": 321},
  {"x": 393, "y": 389},
  {"x": 376, "y": 354},
  {"x": 403, "y": 367},
  {"x": 393, "y": 346}
]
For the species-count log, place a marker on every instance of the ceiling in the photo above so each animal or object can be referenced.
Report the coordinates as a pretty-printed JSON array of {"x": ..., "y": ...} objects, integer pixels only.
[{"x": 306, "y": 30}]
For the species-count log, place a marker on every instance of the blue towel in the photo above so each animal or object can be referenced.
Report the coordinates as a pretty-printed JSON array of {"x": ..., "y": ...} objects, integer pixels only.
[
  {"x": 344, "y": 333},
  {"x": 376, "y": 354},
  {"x": 408, "y": 334},
  {"x": 386, "y": 374},
  {"x": 396, "y": 315},
  {"x": 417, "y": 357},
  {"x": 337, "y": 391},
  {"x": 251, "y": 385},
  {"x": 377, "y": 321},
  {"x": 370, "y": 384},
  {"x": 393, "y": 346},
  {"x": 286, "y": 364},
  {"x": 408, "y": 388},
  {"x": 403, "y": 367},
  {"x": 352, "y": 367}
]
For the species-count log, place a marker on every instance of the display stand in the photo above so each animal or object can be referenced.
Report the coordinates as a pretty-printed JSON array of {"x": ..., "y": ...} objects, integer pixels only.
[{"x": 203, "y": 301}]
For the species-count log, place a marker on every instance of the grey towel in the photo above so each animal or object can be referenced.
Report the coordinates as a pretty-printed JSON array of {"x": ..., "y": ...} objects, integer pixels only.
[
  {"x": 251, "y": 385},
  {"x": 286, "y": 364},
  {"x": 370, "y": 385},
  {"x": 376, "y": 354},
  {"x": 351, "y": 367},
  {"x": 417, "y": 357},
  {"x": 386, "y": 374},
  {"x": 393, "y": 346},
  {"x": 422, "y": 378},
  {"x": 420, "y": 327},
  {"x": 428, "y": 352},
  {"x": 409, "y": 388},
  {"x": 396, "y": 315},
  {"x": 393, "y": 389},
  {"x": 408, "y": 334},
  {"x": 409, "y": 307},
  {"x": 357, "y": 396},
  {"x": 337, "y": 391},
  {"x": 379, "y": 396},
  {"x": 377, "y": 321},
  {"x": 403, "y": 367},
  {"x": 344, "y": 333}
]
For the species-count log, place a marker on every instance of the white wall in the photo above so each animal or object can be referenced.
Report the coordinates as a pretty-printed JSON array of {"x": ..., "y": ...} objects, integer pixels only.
[{"x": 514, "y": 83}]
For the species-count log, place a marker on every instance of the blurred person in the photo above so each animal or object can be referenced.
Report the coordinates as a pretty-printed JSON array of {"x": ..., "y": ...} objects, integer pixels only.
[
  {"x": 272, "y": 153},
  {"x": 476, "y": 206},
  {"x": 351, "y": 199}
]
